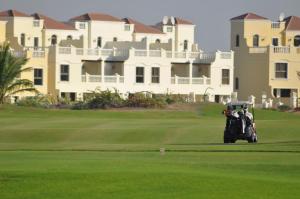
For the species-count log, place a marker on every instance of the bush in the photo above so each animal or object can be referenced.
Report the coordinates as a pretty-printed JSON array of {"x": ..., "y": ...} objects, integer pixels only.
[
  {"x": 42, "y": 101},
  {"x": 105, "y": 99},
  {"x": 142, "y": 100},
  {"x": 284, "y": 108}
]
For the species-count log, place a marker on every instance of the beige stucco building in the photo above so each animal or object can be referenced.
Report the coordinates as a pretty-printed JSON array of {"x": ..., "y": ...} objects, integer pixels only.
[
  {"x": 96, "y": 50},
  {"x": 267, "y": 57}
]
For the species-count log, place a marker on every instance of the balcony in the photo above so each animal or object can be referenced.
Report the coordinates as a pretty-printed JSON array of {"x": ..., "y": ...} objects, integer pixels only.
[
  {"x": 120, "y": 54},
  {"x": 187, "y": 80},
  {"x": 102, "y": 79}
]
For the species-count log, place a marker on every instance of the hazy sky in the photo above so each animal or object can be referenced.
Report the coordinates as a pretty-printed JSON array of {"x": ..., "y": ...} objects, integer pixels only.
[{"x": 210, "y": 16}]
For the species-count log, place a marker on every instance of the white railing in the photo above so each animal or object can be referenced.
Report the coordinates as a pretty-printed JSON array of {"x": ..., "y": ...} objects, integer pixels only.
[
  {"x": 275, "y": 25},
  {"x": 194, "y": 54},
  {"x": 155, "y": 53},
  {"x": 83, "y": 78},
  {"x": 258, "y": 50},
  {"x": 110, "y": 79},
  {"x": 187, "y": 80},
  {"x": 180, "y": 54},
  {"x": 92, "y": 52},
  {"x": 225, "y": 55},
  {"x": 107, "y": 52},
  {"x": 123, "y": 53},
  {"x": 121, "y": 79},
  {"x": 197, "y": 81},
  {"x": 79, "y": 51},
  {"x": 38, "y": 54},
  {"x": 99, "y": 78},
  {"x": 281, "y": 49},
  {"x": 120, "y": 53},
  {"x": 140, "y": 53},
  {"x": 183, "y": 80},
  {"x": 19, "y": 53},
  {"x": 64, "y": 50},
  {"x": 94, "y": 78}
]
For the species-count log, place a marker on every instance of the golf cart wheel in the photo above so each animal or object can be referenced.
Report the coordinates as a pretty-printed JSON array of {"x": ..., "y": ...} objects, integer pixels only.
[{"x": 252, "y": 139}]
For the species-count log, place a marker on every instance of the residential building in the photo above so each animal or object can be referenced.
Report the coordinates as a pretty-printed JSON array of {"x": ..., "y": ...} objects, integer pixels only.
[
  {"x": 95, "y": 50},
  {"x": 267, "y": 57}
]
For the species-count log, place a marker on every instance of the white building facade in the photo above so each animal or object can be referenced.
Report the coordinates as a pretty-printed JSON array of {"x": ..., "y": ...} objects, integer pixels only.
[{"x": 99, "y": 51}]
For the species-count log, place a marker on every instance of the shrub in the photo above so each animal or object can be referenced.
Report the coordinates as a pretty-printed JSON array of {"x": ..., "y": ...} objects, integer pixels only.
[
  {"x": 43, "y": 101},
  {"x": 142, "y": 100},
  {"x": 284, "y": 108},
  {"x": 105, "y": 99}
]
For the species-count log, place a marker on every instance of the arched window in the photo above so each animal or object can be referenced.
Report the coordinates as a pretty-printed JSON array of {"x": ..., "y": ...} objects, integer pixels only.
[
  {"x": 157, "y": 41},
  {"x": 185, "y": 45},
  {"x": 297, "y": 40},
  {"x": 99, "y": 42},
  {"x": 53, "y": 40},
  {"x": 256, "y": 40},
  {"x": 69, "y": 37},
  {"x": 23, "y": 39},
  {"x": 237, "y": 40}
]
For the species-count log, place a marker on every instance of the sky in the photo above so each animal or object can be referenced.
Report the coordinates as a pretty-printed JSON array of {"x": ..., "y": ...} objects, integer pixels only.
[{"x": 211, "y": 17}]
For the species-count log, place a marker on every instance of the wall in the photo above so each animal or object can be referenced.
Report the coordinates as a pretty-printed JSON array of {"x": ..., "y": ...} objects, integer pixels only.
[{"x": 2, "y": 31}]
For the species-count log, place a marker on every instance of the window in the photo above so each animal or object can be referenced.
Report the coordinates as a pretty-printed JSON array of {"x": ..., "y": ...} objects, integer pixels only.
[
  {"x": 53, "y": 40},
  {"x": 72, "y": 97},
  {"x": 157, "y": 41},
  {"x": 36, "y": 42},
  {"x": 81, "y": 25},
  {"x": 127, "y": 27},
  {"x": 275, "y": 41},
  {"x": 185, "y": 45},
  {"x": 225, "y": 76},
  {"x": 23, "y": 39},
  {"x": 282, "y": 92},
  {"x": 297, "y": 41},
  {"x": 256, "y": 40},
  {"x": 139, "y": 75},
  {"x": 115, "y": 39},
  {"x": 169, "y": 29},
  {"x": 237, "y": 40},
  {"x": 64, "y": 73},
  {"x": 99, "y": 42},
  {"x": 155, "y": 75},
  {"x": 38, "y": 76},
  {"x": 69, "y": 37},
  {"x": 281, "y": 70},
  {"x": 36, "y": 23},
  {"x": 237, "y": 83}
]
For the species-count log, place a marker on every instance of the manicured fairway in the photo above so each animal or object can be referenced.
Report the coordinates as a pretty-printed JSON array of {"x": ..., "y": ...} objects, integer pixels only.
[{"x": 111, "y": 154}]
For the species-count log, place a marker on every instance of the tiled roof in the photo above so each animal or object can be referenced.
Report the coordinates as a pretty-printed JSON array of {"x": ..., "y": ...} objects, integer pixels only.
[
  {"x": 142, "y": 28},
  {"x": 13, "y": 13},
  {"x": 52, "y": 24},
  {"x": 248, "y": 16},
  {"x": 182, "y": 21},
  {"x": 95, "y": 17},
  {"x": 292, "y": 23}
]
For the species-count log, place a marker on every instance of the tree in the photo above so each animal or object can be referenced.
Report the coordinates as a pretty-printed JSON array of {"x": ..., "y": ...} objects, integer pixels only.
[{"x": 11, "y": 68}]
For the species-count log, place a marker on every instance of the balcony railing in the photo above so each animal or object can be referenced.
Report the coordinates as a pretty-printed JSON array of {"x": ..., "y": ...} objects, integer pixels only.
[
  {"x": 281, "y": 49},
  {"x": 187, "y": 80},
  {"x": 99, "y": 78},
  {"x": 120, "y": 53},
  {"x": 255, "y": 50}
]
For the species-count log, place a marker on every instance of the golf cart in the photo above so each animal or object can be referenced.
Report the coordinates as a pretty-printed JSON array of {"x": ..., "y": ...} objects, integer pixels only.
[{"x": 240, "y": 123}]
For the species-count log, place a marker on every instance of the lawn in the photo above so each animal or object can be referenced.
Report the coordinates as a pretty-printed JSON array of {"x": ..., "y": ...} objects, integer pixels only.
[{"x": 115, "y": 154}]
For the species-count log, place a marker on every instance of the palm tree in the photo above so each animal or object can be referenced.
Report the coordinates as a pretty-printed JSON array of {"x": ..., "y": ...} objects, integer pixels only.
[{"x": 10, "y": 70}]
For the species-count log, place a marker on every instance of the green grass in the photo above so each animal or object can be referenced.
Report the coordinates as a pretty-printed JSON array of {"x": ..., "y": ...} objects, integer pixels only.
[{"x": 115, "y": 154}]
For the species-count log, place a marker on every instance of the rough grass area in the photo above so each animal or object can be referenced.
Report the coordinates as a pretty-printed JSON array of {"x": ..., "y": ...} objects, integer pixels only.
[{"x": 115, "y": 154}]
